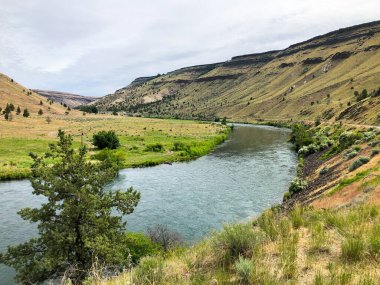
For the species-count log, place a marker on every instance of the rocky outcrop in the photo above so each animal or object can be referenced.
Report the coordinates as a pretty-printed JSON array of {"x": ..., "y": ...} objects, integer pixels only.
[
  {"x": 341, "y": 55},
  {"x": 313, "y": 60}
]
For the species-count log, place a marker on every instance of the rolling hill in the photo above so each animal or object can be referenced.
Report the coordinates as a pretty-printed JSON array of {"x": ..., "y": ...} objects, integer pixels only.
[
  {"x": 309, "y": 80},
  {"x": 71, "y": 100},
  {"x": 13, "y": 93}
]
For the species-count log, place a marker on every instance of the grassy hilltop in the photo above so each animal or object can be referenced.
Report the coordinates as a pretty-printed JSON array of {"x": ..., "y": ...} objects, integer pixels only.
[{"x": 313, "y": 79}]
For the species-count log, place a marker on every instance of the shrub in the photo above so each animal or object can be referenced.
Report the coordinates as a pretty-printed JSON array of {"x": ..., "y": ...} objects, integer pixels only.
[
  {"x": 348, "y": 138},
  {"x": 106, "y": 139},
  {"x": 297, "y": 185},
  {"x": 139, "y": 245},
  {"x": 324, "y": 170},
  {"x": 352, "y": 249},
  {"x": 116, "y": 156},
  {"x": 156, "y": 147},
  {"x": 180, "y": 146},
  {"x": 166, "y": 238},
  {"x": 234, "y": 241},
  {"x": 40, "y": 112},
  {"x": 244, "y": 269},
  {"x": 301, "y": 136},
  {"x": 89, "y": 109},
  {"x": 359, "y": 162},
  {"x": 362, "y": 95},
  {"x": 286, "y": 196},
  {"x": 351, "y": 154},
  {"x": 375, "y": 152},
  {"x": 25, "y": 113}
]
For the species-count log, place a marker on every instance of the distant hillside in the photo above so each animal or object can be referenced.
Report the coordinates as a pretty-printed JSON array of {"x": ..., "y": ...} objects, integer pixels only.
[
  {"x": 71, "y": 100},
  {"x": 13, "y": 93},
  {"x": 313, "y": 79}
]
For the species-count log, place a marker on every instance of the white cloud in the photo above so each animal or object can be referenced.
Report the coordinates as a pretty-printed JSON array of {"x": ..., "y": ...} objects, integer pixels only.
[{"x": 93, "y": 47}]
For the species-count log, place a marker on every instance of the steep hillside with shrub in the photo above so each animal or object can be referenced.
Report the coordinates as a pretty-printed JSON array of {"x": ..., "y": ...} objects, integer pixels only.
[
  {"x": 339, "y": 166},
  {"x": 13, "y": 93},
  {"x": 331, "y": 77}
]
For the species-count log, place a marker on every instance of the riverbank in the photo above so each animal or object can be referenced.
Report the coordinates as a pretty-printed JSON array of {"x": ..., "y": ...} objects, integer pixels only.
[
  {"x": 144, "y": 142},
  {"x": 338, "y": 167},
  {"x": 336, "y": 241}
]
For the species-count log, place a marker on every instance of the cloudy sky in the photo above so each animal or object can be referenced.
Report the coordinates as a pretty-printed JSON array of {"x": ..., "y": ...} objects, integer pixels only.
[{"x": 93, "y": 47}]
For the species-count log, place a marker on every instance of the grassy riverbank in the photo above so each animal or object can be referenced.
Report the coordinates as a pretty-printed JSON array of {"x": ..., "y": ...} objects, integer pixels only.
[
  {"x": 144, "y": 142},
  {"x": 328, "y": 234},
  {"x": 304, "y": 246}
]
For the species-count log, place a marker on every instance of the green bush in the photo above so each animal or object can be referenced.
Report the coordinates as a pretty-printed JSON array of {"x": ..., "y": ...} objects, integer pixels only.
[
  {"x": 286, "y": 196},
  {"x": 351, "y": 154},
  {"x": 375, "y": 152},
  {"x": 106, "y": 139},
  {"x": 156, "y": 147},
  {"x": 297, "y": 185},
  {"x": 348, "y": 138},
  {"x": 324, "y": 170},
  {"x": 180, "y": 146},
  {"x": 244, "y": 269},
  {"x": 359, "y": 162},
  {"x": 139, "y": 245},
  {"x": 234, "y": 241},
  {"x": 301, "y": 136},
  {"x": 116, "y": 156}
]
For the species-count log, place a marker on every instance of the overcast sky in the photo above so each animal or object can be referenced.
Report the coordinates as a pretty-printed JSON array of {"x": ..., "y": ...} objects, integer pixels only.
[{"x": 93, "y": 47}]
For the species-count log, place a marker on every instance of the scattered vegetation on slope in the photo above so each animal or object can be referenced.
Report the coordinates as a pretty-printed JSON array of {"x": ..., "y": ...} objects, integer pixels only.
[
  {"x": 330, "y": 77},
  {"x": 304, "y": 246}
]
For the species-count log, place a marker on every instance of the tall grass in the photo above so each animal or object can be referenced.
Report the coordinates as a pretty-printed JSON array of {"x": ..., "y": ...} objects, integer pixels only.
[{"x": 305, "y": 246}]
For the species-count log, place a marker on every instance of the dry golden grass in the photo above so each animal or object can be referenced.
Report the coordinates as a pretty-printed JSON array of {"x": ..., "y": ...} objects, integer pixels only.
[
  {"x": 311, "y": 247},
  {"x": 263, "y": 90}
]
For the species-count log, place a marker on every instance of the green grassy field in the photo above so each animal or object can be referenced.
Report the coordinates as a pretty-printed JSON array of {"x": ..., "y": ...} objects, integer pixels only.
[{"x": 137, "y": 135}]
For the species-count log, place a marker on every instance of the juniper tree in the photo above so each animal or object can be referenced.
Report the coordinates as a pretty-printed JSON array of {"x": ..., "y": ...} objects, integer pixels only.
[
  {"x": 78, "y": 223},
  {"x": 26, "y": 113}
]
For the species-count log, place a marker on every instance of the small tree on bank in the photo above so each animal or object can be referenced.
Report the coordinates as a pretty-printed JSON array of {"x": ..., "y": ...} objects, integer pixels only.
[
  {"x": 76, "y": 224},
  {"x": 106, "y": 139}
]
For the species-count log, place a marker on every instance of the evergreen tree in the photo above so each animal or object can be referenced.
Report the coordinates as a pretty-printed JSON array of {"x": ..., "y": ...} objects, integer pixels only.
[
  {"x": 40, "y": 112},
  {"x": 18, "y": 110},
  {"x": 26, "y": 113},
  {"x": 77, "y": 224}
]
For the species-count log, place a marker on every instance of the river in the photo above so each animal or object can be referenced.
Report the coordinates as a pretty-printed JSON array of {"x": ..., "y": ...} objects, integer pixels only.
[{"x": 237, "y": 181}]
